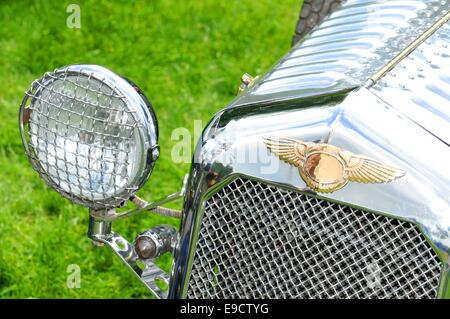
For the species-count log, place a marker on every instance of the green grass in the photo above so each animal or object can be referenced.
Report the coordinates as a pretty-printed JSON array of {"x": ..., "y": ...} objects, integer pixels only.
[{"x": 187, "y": 56}]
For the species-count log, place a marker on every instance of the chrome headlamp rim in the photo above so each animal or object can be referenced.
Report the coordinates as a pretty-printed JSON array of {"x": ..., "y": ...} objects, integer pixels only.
[{"x": 139, "y": 108}]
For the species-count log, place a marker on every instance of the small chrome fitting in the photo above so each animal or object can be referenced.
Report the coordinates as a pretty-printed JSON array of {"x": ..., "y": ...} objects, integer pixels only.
[
  {"x": 98, "y": 230},
  {"x": 154, "y": 242}
]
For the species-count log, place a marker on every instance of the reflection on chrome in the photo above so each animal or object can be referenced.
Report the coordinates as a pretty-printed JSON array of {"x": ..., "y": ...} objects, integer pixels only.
[{"x": 274, "y": 204}]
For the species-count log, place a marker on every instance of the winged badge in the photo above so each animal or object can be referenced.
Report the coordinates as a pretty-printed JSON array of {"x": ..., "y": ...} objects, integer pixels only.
[{"x": 327, "y": 168}]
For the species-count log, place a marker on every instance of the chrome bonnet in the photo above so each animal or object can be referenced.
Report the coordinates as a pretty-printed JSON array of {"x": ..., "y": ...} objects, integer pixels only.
[
  {"x": 346, "y": 49},
  {"x": 377, "y": 120},
  {"x": 419, "y": 85}
]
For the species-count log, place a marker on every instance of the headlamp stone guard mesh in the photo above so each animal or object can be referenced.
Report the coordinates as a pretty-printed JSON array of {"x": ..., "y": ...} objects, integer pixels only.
[
  {"x": 259, "y": 241},
  {"x": 89, "y": 134}
]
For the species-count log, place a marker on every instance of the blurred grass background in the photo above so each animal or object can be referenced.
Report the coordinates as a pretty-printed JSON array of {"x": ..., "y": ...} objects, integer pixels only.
[{"x": 187, "y": 56}]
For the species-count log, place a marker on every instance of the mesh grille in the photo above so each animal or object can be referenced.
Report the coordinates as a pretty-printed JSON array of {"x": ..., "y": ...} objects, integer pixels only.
[
  {"x": 258, "y": 241},
  {"x": 81, "y": 137}
]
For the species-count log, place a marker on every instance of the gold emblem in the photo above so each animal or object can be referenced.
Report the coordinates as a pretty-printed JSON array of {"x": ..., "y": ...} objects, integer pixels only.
[{"x": 327, "y": 168}]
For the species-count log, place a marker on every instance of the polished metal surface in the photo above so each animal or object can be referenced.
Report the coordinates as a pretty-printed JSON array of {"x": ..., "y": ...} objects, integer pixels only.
[
  {"x": 162, "y": 239},
  {"x": 253, "y": 225},
  {"x": 326, "y": 168},
  {"x": 232, "y": 145},
  {"x": 419, "y": 85},
  {"x": 147, "y": 271},
  {"x": 260, "y": 241},
  {"x": 353, "y": 43},
  {"x": 144, "y": 207},
  {"x": 90, "y": 134},
  {"x": 318, "y": 93},
  {"x": 411, "y": 47}
]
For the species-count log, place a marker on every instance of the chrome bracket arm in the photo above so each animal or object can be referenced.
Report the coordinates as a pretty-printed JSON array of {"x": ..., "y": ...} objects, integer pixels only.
[
  {"x": 147, "y": 271},
  {"x": 144, "y": 206}
]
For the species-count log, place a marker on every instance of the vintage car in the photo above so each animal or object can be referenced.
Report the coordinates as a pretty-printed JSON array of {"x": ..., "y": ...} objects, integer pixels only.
[{"x": 327, "y": 177}]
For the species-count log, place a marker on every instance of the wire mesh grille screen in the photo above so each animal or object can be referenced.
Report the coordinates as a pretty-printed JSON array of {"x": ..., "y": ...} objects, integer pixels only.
[
  {"x": 258, "y": 241},
  {"x": 82, "y": 135}
]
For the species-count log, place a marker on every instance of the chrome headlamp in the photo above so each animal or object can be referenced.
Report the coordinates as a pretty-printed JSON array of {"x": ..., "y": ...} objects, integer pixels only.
[{"x": 91, "y": 134}]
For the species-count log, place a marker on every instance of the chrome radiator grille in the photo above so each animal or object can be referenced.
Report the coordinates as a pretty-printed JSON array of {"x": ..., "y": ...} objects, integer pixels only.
[{"x": 260, "y": 241}]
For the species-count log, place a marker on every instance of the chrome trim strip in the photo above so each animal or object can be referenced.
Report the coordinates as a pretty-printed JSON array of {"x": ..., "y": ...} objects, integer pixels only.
[
  {"x": 418, "y": 85},
  {"x": 410, "y": 48},
  {"x": 346, "y": 49}
]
